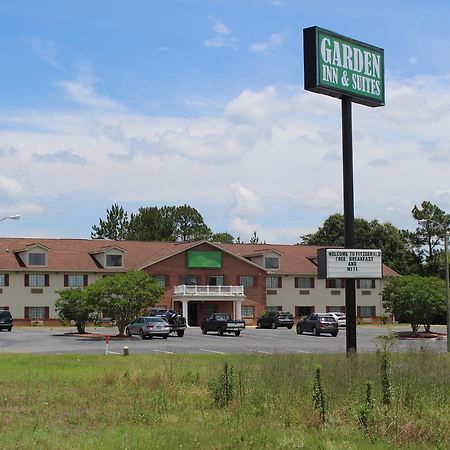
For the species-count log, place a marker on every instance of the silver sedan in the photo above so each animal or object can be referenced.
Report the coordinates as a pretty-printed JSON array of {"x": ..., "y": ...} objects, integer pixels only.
[{"x": 147, "y": 327}]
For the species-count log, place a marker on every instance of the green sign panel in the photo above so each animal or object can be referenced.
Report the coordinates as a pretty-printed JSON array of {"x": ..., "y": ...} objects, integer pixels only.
[
  {"x": 339, "y": 66},
  {"x": 197, "y": 259}
]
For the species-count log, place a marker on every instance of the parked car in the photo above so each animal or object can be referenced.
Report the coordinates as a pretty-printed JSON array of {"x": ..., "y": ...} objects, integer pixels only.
[
  {"x": 176, "y": 322},
  {"x": 340, "y": 318},
  {"x": 6, "y": 320},
  {"x": 222, "y": 323},
  {"x": 318, "y": 324},
  {"x": 147, "y": 327},
  {"x": 275, "y": 319}
]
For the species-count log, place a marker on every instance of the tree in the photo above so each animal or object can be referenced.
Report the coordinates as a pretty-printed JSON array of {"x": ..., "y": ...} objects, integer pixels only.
[
  {"x": 114, "y": 227},
  {"x": 73, "y": 304},
  {"x": 415, "y": 299},
  {"x": 152, "y": 224},
  {"x": 124, "y": 296},
  {"x": 189, "y": 225},
  {"x": 426, "y": 242},
  {"x": 224, "y": 238},
  {"x": 255, "y": 239},
  {"x": 385, "y": 236}
]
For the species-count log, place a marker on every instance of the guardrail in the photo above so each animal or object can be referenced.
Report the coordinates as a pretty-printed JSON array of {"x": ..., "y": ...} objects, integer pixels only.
[{"x": 208, "y": 290}]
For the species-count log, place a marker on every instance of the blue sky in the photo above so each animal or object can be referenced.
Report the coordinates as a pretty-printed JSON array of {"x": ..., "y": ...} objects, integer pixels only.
[{"x": 152, "y": 103}]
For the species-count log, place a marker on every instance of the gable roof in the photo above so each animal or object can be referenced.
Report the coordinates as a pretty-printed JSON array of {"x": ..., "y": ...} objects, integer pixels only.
[{"x": 76, "y": 254}]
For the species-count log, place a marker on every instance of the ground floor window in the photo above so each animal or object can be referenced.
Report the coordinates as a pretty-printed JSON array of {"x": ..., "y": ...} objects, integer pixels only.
[
  {"x": 366, "y": 311},
  {"x": 273, "y": 308},
  {"x": 301, "y": 311},
  {"x": 247, "y": 312},
  {"x": 36, "y": 312}
]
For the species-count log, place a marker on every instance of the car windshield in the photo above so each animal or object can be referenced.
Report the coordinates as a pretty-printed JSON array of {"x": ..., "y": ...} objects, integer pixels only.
[
  {"x": 154, "y": 319},
  {"x": 223, "y": 317}
]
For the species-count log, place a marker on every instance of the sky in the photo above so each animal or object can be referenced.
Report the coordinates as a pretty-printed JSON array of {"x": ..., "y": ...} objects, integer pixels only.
[{"x": 201, "y": 102}]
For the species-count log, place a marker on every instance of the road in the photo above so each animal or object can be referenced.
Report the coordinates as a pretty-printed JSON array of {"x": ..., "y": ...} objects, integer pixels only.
[{"x": 61, "y": 340}]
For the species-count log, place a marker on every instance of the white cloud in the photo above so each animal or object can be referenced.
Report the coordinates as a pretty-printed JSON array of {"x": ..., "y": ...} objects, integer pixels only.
[
  {"x": 274, "y": 42},
  {"x": 269, "y": 162},
  {"x": 319, "y": 198},
  {"x": 222, "y": 35},
  {"x": 45, "y": 50},
  {"x": 246, "y": 203},
  {"x": 10, "y": 186}
]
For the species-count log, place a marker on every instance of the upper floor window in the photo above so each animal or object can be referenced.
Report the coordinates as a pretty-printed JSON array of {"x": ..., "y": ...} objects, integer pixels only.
[
  {"x": 36, "y": 279},
  {"x": 304, "y": 282},
  {"x": 190, "y": 280},
  {"x": 335, "y": 283},
  {"x": 113, "y": 260},
  {"x": 273, "y": 282},
  {"x": 216, "y": 280},
  {"x": 366, "y": 284},
  {"x": 160, "y": 279},
  {"x": 75, "y": 281},
  {"x": 272, "y": 263},
  {"x": 37, "y": 259},
  {"x": 246, "y": 281},
  {"x": 4, "y": 279}
]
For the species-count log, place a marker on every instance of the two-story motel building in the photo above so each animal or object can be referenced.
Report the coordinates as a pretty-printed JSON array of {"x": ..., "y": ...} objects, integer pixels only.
[{"x": 199, "y": 277}]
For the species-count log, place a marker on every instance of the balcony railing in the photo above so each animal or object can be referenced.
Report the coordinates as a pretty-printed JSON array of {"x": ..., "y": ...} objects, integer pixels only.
[{"x": 221, "y": 291}]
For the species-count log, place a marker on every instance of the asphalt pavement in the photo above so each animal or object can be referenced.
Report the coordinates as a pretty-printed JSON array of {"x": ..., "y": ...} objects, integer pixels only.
[{"x": 43, "y": 340}]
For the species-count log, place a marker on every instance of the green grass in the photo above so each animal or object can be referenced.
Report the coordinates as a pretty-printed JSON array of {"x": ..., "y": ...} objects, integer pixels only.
[{"x": 168, "y": 402}]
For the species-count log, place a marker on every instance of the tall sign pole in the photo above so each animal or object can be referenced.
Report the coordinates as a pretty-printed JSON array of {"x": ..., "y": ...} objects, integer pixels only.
[
  {"x": 349, "y": 219},
  {"x": 352, "y": 71}
]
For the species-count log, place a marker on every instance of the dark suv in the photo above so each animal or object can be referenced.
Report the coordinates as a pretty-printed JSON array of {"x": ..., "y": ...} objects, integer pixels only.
[
  {"x": 317, "y": 324},
  {"x": 275, "y": 319},
  {"x": 6, "y": 320}
]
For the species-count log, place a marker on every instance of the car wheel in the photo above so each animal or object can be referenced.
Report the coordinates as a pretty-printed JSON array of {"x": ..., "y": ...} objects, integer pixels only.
[
  {"x": 180, "y": 333},
  {"x": 220, "y": 331},
  {"x": 204, "y": 331},
  {"x": 274, "y": 326},
  {"x": 164, "y": 337},
  {"x": 258, "y": 325},
  {"x": 289, "y": 327},
  {"x": 237, "y": 333},
  {"x": 315, "y": 331},
  {"x": 141, "y": 334},
  {"x": 334, "y": 334},
  {"x": 10, "y": 329},
  {"x": 128, "y": 332}
]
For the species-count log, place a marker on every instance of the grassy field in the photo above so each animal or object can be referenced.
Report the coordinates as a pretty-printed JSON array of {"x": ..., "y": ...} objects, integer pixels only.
[{"x": 225, "y": 402}]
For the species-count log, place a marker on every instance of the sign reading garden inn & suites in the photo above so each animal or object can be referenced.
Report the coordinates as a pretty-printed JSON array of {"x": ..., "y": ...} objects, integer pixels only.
[
  {"x": 349, "y": 263},
  {"x": 339, "y": 66}
]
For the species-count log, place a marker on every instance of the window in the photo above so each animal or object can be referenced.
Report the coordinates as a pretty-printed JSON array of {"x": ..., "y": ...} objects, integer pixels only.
[
  {"x": 246, "y": 281},
  {"x": 335, "y": 283},
  {"x": 304, "y": 283},
  {"x": 216, "y": 280},
  {"x": 114, "y": 260},
  {"x": 160, "y": 279},
  {"x": 247, "y": 312},
  {"x": 4, "y": 279},
  {"x": 36, "y": 313},
  {"x": 36, "y": 259},
  {"x": 273, "y": 282},
  {"x": 272, "y": 263},
  {"x": 366, "y": 284},
  {"x": 366, "y": 311},
  {"x": 273, "y": 308},
  {"x": 335, "y": 309},
  {"x": 36, "y": 279},
  {"x": 301, "y": 311},
  {"x": 190, "y": 280},
  {"x": 75, "y": 280}
]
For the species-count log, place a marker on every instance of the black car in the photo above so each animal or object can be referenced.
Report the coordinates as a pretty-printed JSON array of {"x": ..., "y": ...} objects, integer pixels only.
[
  {"x": 275, "y": 319},
  {"x": 6, "y": 320},
  {"x": 318, "y": 324}
]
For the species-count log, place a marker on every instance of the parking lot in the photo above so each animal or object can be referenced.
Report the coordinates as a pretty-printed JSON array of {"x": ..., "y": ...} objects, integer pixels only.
[{"x": 61, "y": 340}]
